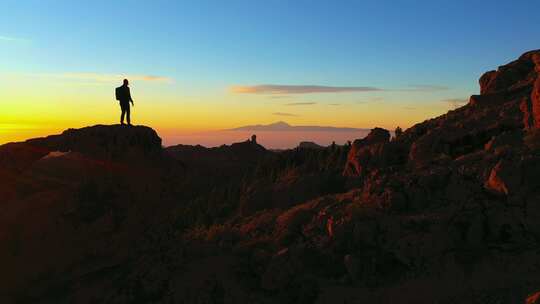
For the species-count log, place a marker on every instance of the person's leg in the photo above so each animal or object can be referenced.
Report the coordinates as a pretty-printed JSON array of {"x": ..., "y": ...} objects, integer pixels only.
[
  {"x": 123, "y": 108},
  {"x": 128, "y": 114}
]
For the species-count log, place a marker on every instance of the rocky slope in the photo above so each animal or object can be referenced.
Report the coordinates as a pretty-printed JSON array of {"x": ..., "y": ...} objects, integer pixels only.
[{"x": 446, "y": 212}]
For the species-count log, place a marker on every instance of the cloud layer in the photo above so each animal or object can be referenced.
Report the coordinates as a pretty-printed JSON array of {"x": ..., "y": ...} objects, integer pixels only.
[
  {"x": 297, "y": 89},
  {"x": 279, "y": 90},
  {"x": 284, "y": 114},
  {"x": 300, "y": 103}
]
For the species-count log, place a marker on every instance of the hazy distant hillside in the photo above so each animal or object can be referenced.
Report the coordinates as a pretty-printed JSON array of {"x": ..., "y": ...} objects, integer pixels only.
[{"x": 283, "y": 126}]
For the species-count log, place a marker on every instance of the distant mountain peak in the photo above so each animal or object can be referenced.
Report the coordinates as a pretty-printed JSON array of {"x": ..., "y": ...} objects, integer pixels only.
[
  {"x": 283, "y": 126},
  {"x": 280, "y": 123}
]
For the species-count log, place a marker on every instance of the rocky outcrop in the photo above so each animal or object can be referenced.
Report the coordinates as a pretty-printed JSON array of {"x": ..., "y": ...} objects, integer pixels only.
[
  {"x": 503, "y": 106},
  {"x": 512, "y": 76},
  {"x": 72, "y": 196},
  {"x": 367, "y": 153},
  {"x": 114, "y": 143},
  {"x": 517, "y": 80},
  {"x": 504, "y": 178}
]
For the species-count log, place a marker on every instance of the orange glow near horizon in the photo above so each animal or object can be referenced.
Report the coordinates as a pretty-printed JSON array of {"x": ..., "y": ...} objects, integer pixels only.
[{"x": 56, "y": 104}]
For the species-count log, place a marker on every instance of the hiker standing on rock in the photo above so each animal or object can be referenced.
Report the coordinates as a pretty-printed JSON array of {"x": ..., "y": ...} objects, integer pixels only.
[{"x": 124, "y": 96}]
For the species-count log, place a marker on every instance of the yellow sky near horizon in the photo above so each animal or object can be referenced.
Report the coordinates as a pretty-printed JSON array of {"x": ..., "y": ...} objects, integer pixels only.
[{"x": 53, "y": 104}]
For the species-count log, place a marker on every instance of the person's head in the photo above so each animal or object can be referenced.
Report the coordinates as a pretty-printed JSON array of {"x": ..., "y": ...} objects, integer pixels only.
[{"x": 126, "y": 82}]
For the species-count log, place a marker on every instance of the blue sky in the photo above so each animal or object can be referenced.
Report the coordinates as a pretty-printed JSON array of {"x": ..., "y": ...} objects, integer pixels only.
[
  {"x": 207, "y": 47},
  {"x": 338, "y": 42}
]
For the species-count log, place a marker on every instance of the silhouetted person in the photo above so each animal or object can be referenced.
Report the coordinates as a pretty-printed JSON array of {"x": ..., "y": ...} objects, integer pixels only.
[
  {"x": 398, "y": 132},
  {"x": 124, "y": 96}
]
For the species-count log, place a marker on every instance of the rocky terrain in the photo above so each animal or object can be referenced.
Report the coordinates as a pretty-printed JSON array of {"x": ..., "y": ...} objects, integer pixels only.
[{"x": 447, "y": 211}]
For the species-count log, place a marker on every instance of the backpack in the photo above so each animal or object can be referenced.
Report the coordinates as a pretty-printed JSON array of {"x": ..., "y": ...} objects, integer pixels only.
[{"x": 118, "y": 93}]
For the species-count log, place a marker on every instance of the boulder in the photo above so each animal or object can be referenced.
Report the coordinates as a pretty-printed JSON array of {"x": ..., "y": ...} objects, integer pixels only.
[
  {"x": 377, "y": 135},
  {"x": 504, "y": 178},
  {"x": 533, "y": 299},
  {"x": 367, "y": 152},
  {"x": 487, "y": 81}
]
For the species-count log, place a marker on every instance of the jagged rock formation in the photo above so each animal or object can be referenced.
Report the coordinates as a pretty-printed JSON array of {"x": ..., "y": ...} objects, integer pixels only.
[
  {"x": 367, "y": 153},
  {"x": 486, "y": 136},
  {"x": 441, "y": 210}
]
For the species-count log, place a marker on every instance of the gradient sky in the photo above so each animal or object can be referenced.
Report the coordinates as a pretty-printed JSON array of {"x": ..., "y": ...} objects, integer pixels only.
[{"x": 197, "y": 66}]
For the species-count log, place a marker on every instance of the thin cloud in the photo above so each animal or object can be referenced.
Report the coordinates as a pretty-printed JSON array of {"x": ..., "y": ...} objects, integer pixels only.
[
  {"x": 13, "y": 39},
  {"x": 272, "y": 89},
  {"x": 284, "y": 114},
  {"x": 300, "y": 103},
  {"x": 105, "y": 78},
  {"x": 334, "y": 104},
  {"x": 280, "y": 90},
  {"x": 455, "y": 103}
]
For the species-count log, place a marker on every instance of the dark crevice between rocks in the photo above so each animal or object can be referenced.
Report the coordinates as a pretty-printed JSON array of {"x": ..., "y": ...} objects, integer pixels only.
[{"x": 475, "y": 141}]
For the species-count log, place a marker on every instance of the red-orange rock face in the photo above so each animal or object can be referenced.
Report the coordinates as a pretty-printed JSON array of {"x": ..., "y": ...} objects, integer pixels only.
[
  {"x": 533, "y": 299},
  {"x": 504, "y": 178},
  {"x": 535, "y": 95},
  {"x": 509, "y": 76},
  {"x": 516, "y": 80},
  {"x": 367, "y": 152}
]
